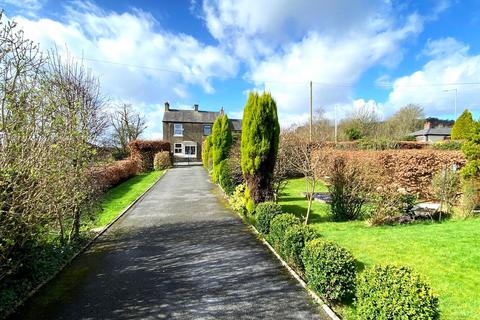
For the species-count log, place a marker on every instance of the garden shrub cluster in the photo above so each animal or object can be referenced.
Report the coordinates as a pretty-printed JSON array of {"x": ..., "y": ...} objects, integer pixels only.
[
  {"x": 112, "y": 174},
  {"x": 162, "y": 160},
  {"x": 295, "y": 238},
  {"x": 144, "y": 151},
  {"x": 237, "y": 199},
  {"x": 448, "y": 145},
  {"x": 278, "y": 226},
  {"x": 264, "y": 214},
  {"x": 390, "y": 292},
  {"x": 329, "y": 269}
]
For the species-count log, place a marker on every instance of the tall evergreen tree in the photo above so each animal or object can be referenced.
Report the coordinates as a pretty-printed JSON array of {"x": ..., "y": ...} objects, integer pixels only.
[
  {"x": 221, "y": 141},
  {"x": 464, "y": 126},
  {"x": 259, "y": 146}
]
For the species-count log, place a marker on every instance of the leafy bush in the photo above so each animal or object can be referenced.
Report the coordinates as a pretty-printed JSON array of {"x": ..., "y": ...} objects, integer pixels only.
[
  {"x": 353, "y": 134},
  {"x": 264, "y": 214},
  {"x": 237, "y": 199},
  {"x": 446, "y": 186},
  {"x": 448, "y": 145},
  {"x": 112, "y": 174},
  {"x": 278, "y": 226},
  {"x": 464, "y": 126},
  {"x": 207, "y": 153},
  {"x": 144, "y": 151},
  {"x": 388, "y": 203},
  {"x": 348, "y": 190},
  {"x": 294, "y": 241},
  {"x": 389, "y": 292},
  {"x": 221, "y": 142},
  {"x": 469, "y": 199},
  {"x": 162, "y": 160},
  {"x": 329, "y": 269},
  {"x": 224, "y": 177}
]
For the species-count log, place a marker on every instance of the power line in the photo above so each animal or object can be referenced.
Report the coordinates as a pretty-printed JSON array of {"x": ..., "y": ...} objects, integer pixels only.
[{"x": 319, "y": 83}]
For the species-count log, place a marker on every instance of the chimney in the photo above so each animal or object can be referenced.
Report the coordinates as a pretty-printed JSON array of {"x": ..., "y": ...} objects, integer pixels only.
[
  {"x": 167, "y": 106},
  {"x": 195, "y": 107},
  {"x": 427, "y": 125},
  {"x": 221, "y": 111}
]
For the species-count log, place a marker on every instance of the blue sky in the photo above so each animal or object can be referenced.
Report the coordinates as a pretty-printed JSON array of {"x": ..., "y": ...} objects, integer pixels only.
[{"x": 377, "y": 54}]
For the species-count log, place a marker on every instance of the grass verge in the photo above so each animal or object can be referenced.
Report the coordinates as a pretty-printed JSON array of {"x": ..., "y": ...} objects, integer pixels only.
[{"x": 446, "y": 253}]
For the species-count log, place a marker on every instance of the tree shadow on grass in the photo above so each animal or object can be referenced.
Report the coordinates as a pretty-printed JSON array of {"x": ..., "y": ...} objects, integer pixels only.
[{"x": 300, "y": 212}]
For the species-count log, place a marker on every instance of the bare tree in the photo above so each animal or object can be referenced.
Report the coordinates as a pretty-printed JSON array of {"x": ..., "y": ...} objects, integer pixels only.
[
  {"x": 304, "y": 157},
  {"x": 128, "y": 125}
]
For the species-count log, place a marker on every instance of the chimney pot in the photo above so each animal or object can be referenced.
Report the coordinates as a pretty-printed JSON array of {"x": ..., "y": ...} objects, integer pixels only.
[
  {"x": 222, "y": 111},
  {"x": 195, "y": 107},
  {"x": 167, "y": 106}
]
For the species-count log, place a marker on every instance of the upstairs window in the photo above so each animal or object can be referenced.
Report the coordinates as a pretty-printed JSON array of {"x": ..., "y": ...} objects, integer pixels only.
[
  {"x": 207, "y": 130},
  {"x": 178, "y": 129},
  {"x": 177, "y": 148}
]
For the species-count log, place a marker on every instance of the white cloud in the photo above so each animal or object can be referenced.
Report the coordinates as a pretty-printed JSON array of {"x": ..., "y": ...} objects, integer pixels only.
[
  {"x": 450, "y": 63},
  {"x": 128, "y": 40},
  {"x": 28, "y": 7}
]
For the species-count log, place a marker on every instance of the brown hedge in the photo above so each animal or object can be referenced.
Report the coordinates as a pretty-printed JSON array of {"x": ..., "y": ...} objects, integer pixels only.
[
  {"x": 410, "y": 169},
  {"x": 110, "y": 175},
  {"x": 354, "y": 145},
  {"x": 144, "y": 151}
]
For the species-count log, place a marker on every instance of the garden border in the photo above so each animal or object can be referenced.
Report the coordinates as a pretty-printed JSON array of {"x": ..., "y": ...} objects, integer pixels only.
[
  {"x": 86, "y": 246},
  {"x": 328, "y": 310}
]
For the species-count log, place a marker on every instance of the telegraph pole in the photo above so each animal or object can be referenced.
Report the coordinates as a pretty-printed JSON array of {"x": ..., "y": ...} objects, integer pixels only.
[
  {"x": 336, "y": 140},
  {"x": 311, "y": 111}
]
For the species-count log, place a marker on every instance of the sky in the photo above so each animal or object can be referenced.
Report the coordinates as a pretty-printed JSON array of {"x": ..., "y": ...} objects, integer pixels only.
[{"x": 379, "y": 54}]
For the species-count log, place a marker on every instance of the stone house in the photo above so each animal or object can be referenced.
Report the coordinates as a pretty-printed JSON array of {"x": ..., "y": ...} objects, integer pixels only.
[
  {"x": 432, "y": 134},
  {"x": 187, "y": 129}
]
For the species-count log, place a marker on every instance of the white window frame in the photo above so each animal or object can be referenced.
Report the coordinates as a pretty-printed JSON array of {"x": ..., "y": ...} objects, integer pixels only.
[
  {"x": 207, "y": 125},
  {"x": 175, "y": 148},
  {"x": 178, "y": 127},
  {"x": 190, "y": 144}
]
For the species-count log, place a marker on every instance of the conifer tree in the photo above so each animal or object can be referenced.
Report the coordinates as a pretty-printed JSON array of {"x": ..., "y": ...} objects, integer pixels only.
[
  {"x": 221, "y": 142},
  {"x": 259, "y": 147},
  {"x": 464, "y": 126}
]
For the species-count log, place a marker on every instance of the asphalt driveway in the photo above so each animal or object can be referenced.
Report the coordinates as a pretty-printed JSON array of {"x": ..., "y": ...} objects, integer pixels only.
[{"x": 180, "y": 253}]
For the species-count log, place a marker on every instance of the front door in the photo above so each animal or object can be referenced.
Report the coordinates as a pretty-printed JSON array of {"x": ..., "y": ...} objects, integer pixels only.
[{"x": 191, "y": 151}]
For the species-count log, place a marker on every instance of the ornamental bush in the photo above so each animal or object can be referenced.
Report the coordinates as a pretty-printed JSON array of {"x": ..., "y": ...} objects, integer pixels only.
[
  {"x": 207, "y": 153},
  {"x": 294, "y": 241},
  {"x": 390, "y": 292},
  {"x": 278, "y": 226},
  {"x": 329, "y": 269},
  {"x": 264, "y": 214},
  {"x": 259, "y": 146},
  {"x": 224, "y": 177},
  {"x": 221, "y": 142},
  {"x": 162, "y": 160},
  {"x": 237, "y": 199}
]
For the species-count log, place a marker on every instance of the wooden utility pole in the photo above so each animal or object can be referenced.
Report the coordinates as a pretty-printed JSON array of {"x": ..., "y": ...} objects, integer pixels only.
[{"x": 311, "y": 111}]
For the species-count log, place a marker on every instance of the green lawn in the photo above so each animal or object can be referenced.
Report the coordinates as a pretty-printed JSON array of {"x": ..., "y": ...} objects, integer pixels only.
[
  {"x": 447, "y": 254},
  {"x": 119, "y": 197}
]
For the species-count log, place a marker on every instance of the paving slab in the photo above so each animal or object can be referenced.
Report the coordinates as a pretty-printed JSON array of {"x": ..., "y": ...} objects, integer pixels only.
[{"x": 179, "y": 253}]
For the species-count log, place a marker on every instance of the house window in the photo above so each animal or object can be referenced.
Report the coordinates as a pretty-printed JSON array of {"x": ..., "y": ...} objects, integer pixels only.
[
  {"x": 207, "y": 130},
  {"x": 178, "y": 129},
  {"x": 190, "y": 150},
  {"x": 177, "y": 148}
]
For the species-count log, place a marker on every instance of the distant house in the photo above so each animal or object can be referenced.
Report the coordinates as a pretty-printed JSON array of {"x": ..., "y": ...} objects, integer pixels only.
[
  {"x": 187, "y": 129},
  {"x": 432, "y": 134}
]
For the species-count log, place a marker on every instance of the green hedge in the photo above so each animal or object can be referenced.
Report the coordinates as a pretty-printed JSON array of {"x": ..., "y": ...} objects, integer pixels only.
[
  {"x": 294, "y": 241},
  {"x": 264, "y": 214},
  {"x": 278, "y": 226},
  {"x": 390, "y": 292},
  {"x": 329, "y": 269}
]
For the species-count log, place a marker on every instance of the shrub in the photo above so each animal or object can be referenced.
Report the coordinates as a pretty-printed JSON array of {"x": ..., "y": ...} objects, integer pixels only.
[
  {"x": 110, "y": 175},
  {"x": 264, "y": 214},
  {"x": 353, "y": 134},
  {"x": 144, "y": 151},
  {"x": 469, "y": 199},
  {"x": 162, "y": 160},
  {"x": 237, "y": 199},
  {"x": 278, "y": 226},
  {"x": 464, "y": 126},
  {"x": 348, "y": 190},
  {"x": 207, "y": 153},
  {"x": 221, "y": 142},
  {"x": 388, "y": 203},
  {"x": 329, "y": 269},
  {"x": 446, "y": 185},
  {"x": 389, "y": 292},
  {"x": 259, "y": 147},
  {"x": 447, "y": 145},
  {"x": 294, "y": 241},
  {"x": 224, "y": 177}
]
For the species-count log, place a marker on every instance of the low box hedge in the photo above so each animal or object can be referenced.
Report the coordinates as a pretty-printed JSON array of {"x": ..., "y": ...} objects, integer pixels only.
[
  {"x": 278, "y": 226},
  {"x": 264, "y": 214},
  {"x": 294, "y": 241}
]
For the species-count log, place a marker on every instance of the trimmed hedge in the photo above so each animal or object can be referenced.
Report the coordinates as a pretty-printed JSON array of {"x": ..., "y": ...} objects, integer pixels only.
[
  {"x": 329, "y": 269},
  {"x": 390, "y": 292},
  {"x": 224, "y": 177},
  {"x": 112, "y": 174},
  {"x": 162, "y": 160},
  {"x": 144, "y": 151},
  {"x": 294, "y": 241},
  {"x": 278, "y": 226},
  {"x": 264, "y": 214}
]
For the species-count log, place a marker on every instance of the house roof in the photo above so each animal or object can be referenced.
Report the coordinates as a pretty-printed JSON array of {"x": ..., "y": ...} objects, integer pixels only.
[
  {"x": 193, "y": 116},
  {"x": 437, "y": 131}
]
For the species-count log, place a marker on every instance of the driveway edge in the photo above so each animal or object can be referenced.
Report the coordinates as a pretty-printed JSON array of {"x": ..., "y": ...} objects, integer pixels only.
[
  {"x": 328, "y": 310},
  {"x": 85, "y": 247}
]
